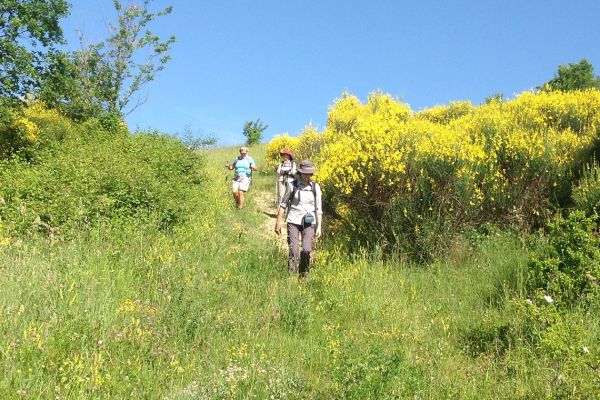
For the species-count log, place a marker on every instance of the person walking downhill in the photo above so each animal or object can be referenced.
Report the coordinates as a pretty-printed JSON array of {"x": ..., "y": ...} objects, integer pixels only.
[
  {"x": 243, "y": 165},
  {"x": 302, "y": 199},
  {"x": 286, "y": 170}
]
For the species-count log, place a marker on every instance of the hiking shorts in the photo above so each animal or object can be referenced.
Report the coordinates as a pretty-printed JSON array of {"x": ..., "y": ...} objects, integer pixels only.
[{"x": 241, "y": 184}]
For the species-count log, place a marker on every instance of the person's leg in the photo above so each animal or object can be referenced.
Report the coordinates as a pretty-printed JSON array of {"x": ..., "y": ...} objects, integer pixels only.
[
  {"x": 293, "y": 234},
  {"x": 241, "y": 199},
  {"x": 307, "y": 237},
  {"x": 235, "y": 190}
]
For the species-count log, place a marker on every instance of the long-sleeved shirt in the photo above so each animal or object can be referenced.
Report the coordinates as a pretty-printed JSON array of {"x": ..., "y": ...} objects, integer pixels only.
[
  {"x": 286, "y": 171},
  {"x": 304, "y": 201}
]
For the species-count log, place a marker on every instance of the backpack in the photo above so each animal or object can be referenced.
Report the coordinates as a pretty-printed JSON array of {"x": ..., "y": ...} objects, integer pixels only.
[
  {"x": 295, "y": 189},
  {"x": 292, "y": 167}
]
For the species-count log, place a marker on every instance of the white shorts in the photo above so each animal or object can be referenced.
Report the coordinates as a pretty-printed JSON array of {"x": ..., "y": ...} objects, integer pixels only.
[{"x": 241, "y": 184}]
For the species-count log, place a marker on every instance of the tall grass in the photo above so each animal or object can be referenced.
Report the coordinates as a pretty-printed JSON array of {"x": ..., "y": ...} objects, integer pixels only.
[{"x": 207, "y": 310}]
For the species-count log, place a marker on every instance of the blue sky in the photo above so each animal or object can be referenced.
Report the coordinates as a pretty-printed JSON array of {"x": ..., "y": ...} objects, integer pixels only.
[{"x": 286, "y": 62}]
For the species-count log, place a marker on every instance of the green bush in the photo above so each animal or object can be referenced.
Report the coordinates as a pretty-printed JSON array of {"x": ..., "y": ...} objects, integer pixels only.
[
  {"x": 564, "y": 342},
  {"x": 586, "y": 194},
  {"x": 567, "y": 268},
  {"x": 98, "y": 176}
]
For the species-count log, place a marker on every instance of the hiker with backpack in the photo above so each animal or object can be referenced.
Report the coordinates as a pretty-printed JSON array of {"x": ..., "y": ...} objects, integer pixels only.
[
  {"x": 243, "y": 166},
  {"x": 302, "y": 200},
  {"x": 286, "y": 171}
]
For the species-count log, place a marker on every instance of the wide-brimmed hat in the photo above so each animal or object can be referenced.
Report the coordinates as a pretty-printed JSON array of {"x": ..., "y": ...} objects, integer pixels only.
[
  {"x": 307, "y": 167},
  {"x": 288, "y": 152}
]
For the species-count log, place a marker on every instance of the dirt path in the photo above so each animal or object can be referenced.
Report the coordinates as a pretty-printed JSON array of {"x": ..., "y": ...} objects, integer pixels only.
[{"x": 265, "y": 201}]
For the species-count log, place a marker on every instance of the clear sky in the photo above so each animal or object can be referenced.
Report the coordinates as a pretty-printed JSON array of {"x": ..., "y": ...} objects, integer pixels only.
[{"x": 286, "y": 62}]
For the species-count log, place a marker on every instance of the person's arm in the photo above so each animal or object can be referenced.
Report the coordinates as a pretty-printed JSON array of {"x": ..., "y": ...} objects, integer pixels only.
[
  {"x": 252, "y": 164},
  {"x": 318, "y": 210},
  {"x": 232, "y": 165},
  {"x": 278, "y": 220},
  {"x": 282, "y": 207}
]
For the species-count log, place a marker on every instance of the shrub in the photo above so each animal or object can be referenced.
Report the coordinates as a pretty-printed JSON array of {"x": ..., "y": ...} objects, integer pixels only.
[
  {"x": 95, "y": 176},
  {"x": 564, "y": 342},
  {"x": 306, "y": 146},
  {"x": 586, "y": 194},
  {"x": 26, "y": 131},
  {"x": 445, "y": 114},
  {"x": 278, "y": 143},
  {"x": 412, "y": 180},
  {"x": 567, "y": 268}
]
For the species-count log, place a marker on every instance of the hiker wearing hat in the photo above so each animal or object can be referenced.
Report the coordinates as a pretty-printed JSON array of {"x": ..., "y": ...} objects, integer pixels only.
[
  {"x": 243, "y": 166},
  {"x": 286, "y": 171},
  {"x": 302, "y": 200}
]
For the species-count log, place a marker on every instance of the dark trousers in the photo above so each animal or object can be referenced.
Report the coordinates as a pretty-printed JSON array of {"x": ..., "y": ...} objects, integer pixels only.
[{"x": 293, "y": 235}]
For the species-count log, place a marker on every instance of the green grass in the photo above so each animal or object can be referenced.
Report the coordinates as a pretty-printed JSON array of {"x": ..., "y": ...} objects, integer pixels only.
[{"x": 208, "y": 311}]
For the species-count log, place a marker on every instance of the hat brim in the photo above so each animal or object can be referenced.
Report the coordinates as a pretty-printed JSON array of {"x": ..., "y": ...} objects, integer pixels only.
[{"x": 307, "y": 170}]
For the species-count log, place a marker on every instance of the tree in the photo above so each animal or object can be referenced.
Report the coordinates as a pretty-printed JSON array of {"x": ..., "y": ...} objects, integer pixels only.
[
  {"x": 29, "y": 30},
  {"x": 253, "y": 131},
  {"x": 120, "y": 73},
  {"x": 107, "y": 76},
  {"x": 573, "y": 77}
]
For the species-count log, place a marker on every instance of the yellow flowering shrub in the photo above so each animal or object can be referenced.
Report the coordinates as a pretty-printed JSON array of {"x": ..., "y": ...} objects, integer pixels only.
[
  {"x": 24, "y": 130},
  {"x": 277, "y": 144},
  {"x": 393, "y": 176},
  {"x": 444, "y": 114},
  {"x": 306, "y": 146},
  {"x": 52, "y": 124}
]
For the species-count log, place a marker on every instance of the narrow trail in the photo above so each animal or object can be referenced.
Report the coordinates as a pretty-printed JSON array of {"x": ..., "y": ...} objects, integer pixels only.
[{"x": 265, "y": 202}]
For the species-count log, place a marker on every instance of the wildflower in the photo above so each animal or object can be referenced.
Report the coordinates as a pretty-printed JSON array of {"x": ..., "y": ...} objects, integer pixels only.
[
  {"x": 586, "y": 350},
  {"x": 548, "y": 299},
  {"x": 529, "y": 302}
]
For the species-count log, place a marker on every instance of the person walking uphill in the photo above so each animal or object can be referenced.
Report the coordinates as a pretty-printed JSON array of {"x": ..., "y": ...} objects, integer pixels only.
[
  {"x": 286, "y": 170},
  {"x": 302, "y": 199},
  {"x": 243, "y": 166}
]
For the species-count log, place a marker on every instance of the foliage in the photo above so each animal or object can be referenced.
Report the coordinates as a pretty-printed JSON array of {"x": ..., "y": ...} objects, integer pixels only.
[
  {"x": 446, "y": 114},
  {"x": 96, "y": 174},
  {"x": 586, "y": 193},
  {"x": 567, "y": 269},
  {"x": 578, "y": 76},
  {"x": 71, "y": 84},
  {"x": 309, "y": 144},
  {"x": 275, "y": 145},
  {"x": 305, "y": 146},
  {"x": 26, "y": 131},
  {"x": 253, "y": 131},
  {"x": 108, "y": 76},
  {"x": 29, "y": 30},
  {"x": 393, "y": 177}
]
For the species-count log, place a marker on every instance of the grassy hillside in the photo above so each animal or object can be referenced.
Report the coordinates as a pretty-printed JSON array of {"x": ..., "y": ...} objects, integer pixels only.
[{"x": 206, "y": 310}]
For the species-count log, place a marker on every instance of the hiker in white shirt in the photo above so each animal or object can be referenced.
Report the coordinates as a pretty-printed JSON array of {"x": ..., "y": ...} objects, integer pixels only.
[{"x": 302, "y": 200}]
